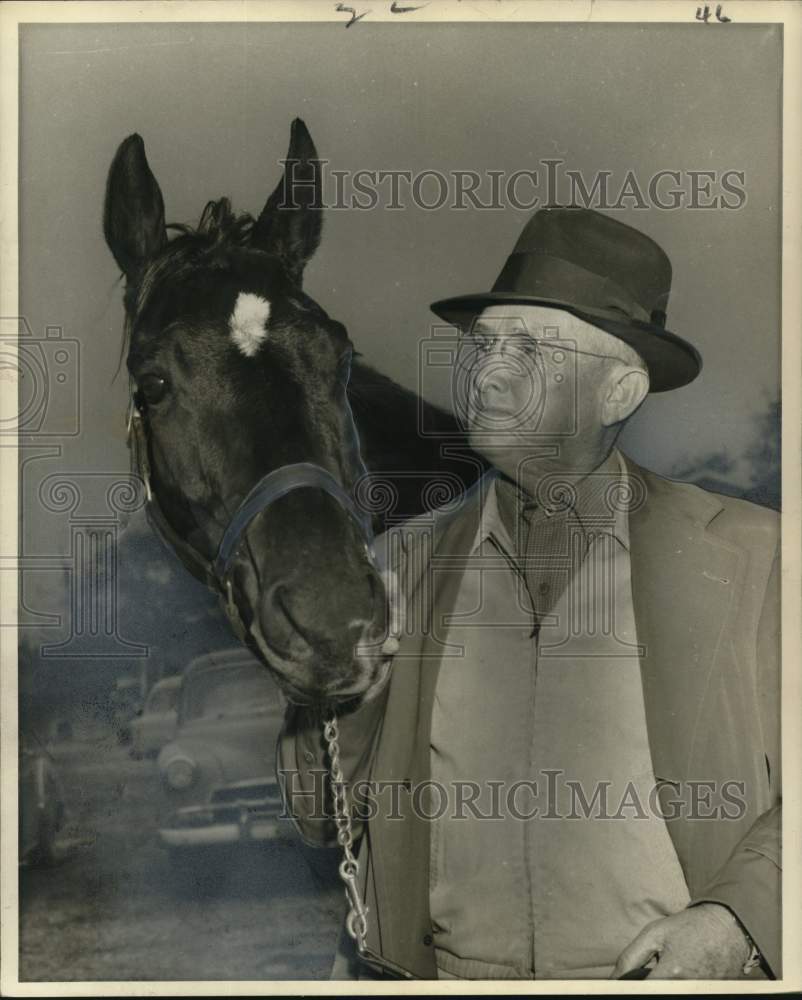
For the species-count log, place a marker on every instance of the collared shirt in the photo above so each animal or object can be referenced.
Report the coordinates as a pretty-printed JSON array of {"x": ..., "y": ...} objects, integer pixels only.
[
  {"x": 553, "y": 531},
  {"x": 556, "y": 897},
  {"x": 587, "y": 501},
  {"x": 548, "y": 536}
]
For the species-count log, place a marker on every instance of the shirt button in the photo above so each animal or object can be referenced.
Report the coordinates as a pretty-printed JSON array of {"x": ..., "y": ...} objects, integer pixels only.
[
  {"x": 544, "y": 588},
  {"x": 309, "y": 757},
  {"x": 428, "y": 939}
]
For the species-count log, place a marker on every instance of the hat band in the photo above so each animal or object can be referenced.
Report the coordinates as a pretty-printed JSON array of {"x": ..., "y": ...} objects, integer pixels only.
[{"x": 540, "y": 275}]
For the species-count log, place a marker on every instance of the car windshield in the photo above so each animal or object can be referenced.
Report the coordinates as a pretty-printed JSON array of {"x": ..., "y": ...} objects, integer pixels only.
[
  {"x": 162, "y": 699},
  {"x": 232, "y": 691}
]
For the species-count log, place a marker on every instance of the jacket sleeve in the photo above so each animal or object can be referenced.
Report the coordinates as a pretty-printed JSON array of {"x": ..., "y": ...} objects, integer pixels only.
[
  {"x": 750, "y": 885},
  {"x": 750, "y": 882}
]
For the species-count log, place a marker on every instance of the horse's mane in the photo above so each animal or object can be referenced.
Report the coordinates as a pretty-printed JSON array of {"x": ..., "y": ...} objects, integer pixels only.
[
  {"x": 407, "y": 439},
  {"x": 377, "y": 400},
  {"x": 219, "y": 229}
]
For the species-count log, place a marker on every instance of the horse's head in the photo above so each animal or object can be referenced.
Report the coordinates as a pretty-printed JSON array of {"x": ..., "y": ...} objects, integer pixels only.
[{"x": 239, "y": 373}]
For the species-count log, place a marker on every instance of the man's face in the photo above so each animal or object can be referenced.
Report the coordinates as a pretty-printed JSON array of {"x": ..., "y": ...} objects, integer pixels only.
[{"x": 531, "y": 379}]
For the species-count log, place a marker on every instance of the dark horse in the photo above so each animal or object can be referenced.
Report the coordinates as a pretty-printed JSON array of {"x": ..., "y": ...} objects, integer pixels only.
[{"x": 235, "y": 373}]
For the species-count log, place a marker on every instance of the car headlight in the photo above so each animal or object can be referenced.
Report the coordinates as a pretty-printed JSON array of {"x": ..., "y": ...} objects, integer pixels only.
[{"x": 180, "y": 773}]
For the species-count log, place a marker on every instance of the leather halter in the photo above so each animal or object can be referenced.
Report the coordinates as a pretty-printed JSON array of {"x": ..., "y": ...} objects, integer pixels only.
[{"x": 272, "y": 486}]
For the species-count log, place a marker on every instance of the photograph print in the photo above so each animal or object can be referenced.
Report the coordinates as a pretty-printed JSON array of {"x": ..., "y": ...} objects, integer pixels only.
[{"x": 397, "y": 414}]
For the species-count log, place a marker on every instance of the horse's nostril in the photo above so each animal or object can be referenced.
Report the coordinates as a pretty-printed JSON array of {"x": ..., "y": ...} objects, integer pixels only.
[
  {"x": 277, "y": 597},
  {"x": 278, "y": 623},
  {"x": 349, "y": 621}
]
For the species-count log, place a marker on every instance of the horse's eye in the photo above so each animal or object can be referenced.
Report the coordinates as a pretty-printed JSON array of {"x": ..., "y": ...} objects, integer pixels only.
[{"x": 153, "y": 388}]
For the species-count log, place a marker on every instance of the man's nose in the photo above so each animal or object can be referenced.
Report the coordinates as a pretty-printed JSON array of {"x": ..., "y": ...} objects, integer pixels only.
[{"x": 495, "y": 373}]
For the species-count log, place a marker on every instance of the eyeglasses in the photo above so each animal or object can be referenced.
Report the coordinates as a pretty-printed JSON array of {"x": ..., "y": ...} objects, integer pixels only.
[{"x": 518, "y": 346}]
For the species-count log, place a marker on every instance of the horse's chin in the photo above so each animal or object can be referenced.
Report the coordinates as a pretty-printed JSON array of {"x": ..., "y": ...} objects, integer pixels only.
[
  {"x": 299, "y": 684},
  {"x": 366, "y": 687}
]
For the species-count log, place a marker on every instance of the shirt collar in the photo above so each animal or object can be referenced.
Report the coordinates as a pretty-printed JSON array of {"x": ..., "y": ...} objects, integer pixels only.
[{"x": 599, "y": 504}]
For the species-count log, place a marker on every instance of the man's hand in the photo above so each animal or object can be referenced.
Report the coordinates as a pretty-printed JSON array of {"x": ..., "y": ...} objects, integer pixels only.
[
  {"x": 701, "y": 942},
  {"x": 396, "y": 613},
  {"x": 391, "y": 643}
]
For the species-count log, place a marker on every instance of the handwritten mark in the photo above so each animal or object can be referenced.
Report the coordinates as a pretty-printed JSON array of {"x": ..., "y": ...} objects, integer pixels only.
[
  {"x": 704, "y": 14},
  {"x": 395, "y": 8},
  {"x": 345, "y": 9}
]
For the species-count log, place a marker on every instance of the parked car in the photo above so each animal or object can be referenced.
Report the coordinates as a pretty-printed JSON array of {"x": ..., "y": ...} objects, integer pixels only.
[
  {"x": 41, "y": 803},
  {"x": 155, "y": 724},
  {"x": 219, "y": 771}
]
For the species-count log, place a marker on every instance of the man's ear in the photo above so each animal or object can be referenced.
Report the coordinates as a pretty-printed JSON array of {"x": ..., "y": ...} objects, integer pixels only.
[{"x": 628, "y": 389}]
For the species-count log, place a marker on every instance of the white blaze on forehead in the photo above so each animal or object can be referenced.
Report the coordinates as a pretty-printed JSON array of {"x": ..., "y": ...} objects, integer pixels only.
[{"x": 248, "y": 322}]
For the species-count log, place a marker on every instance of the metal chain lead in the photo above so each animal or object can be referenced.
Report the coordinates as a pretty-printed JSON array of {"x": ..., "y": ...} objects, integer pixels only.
[{"x": 356, "y": 922}]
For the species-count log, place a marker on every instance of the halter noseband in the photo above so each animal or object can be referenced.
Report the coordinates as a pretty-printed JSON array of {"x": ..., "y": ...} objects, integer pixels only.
[{"x": 272, "y": 486}]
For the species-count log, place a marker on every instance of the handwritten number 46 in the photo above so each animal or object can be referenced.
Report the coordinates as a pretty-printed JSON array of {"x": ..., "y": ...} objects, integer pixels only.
[{"x": 704, "y": 14}]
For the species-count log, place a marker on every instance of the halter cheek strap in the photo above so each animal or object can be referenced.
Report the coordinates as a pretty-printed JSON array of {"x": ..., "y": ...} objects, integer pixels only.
[{"x": 192, "y": 560}]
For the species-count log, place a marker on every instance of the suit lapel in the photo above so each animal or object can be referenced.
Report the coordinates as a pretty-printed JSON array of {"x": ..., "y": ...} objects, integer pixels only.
[
  {"x": 432, "y": 564},
  {"x": 452, "y": 546},
  {"x": 684, "y": 579},
  {"x": 401, "y": 871}
]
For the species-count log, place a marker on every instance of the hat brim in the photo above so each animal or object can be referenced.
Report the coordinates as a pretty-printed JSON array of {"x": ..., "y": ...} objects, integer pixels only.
[{"x": 671, "y": 361}]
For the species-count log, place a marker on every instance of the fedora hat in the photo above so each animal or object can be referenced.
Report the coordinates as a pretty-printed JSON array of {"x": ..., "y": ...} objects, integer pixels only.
[{"x": 598, "y": 269}]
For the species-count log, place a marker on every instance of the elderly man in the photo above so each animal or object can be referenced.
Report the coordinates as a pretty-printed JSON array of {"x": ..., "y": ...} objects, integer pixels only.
[{"x": 571, "y": 768}]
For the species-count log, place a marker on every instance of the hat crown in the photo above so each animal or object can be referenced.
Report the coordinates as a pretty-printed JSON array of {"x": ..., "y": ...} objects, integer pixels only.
[{"x": 562, "y": 249}]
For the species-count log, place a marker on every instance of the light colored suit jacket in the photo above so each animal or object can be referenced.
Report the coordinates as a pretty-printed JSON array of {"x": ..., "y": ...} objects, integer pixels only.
[{"x": 705, "y": 584}]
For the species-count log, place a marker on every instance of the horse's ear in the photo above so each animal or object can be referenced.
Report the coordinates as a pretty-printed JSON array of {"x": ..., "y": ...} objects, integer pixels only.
[
  {"x": 292, "y": 218},
  {"x": 133, "y": 214}
]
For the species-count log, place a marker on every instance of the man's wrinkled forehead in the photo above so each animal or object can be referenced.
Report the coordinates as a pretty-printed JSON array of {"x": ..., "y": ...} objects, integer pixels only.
[
  {"x": 540, "y": 322},
  {"x": 547, "y": 324}
]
